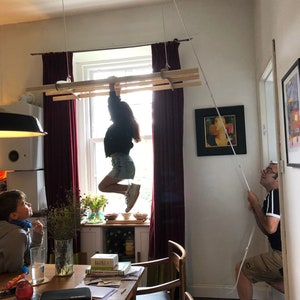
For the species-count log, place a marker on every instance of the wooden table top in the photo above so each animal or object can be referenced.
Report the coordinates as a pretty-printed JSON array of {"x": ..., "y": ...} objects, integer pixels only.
[{"x": 126, "y": 291}]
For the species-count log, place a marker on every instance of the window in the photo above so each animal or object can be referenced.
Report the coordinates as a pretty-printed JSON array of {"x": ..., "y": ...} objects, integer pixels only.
[{"x": 94, "y": 119}]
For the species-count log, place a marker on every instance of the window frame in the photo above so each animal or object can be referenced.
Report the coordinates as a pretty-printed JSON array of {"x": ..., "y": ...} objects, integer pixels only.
[{"x": 86, "y": 70}]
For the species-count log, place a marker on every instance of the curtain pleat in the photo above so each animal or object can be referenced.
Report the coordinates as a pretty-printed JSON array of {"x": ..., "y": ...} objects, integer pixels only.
[
  {"x": 167, "y": 211},
  {"x": 60, "y": 144}
]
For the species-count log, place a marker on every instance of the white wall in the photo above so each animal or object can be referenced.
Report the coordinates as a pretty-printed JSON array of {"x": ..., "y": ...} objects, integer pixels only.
[
  {"x": 218, "y": 223},
  {"x": 280, "y": 20},
  {"x": 217, "y": 220}
]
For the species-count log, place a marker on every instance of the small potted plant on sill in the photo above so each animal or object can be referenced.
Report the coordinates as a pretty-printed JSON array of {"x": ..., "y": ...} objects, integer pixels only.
[
  {"x": 94, "y": 205},
  {"x": 63, "y": 222}
]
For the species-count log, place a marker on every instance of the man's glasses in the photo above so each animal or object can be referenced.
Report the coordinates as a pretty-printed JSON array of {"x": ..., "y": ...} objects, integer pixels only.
[{"x": 269, "y": 171}]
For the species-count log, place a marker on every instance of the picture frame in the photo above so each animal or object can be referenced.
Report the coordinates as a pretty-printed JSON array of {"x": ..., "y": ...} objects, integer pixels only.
[
  {"x": 210, "y": 134},
  {"x": 290, "y": 96}
]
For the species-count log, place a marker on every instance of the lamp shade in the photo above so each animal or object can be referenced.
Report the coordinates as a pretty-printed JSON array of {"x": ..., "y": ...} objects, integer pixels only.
[{"x": 17, "y": 125}]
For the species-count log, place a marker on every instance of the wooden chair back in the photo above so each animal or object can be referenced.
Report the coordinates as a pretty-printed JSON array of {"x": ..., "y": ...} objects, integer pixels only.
[
  {"x": 175, "y": 263},
  {"x": 188, "y": 296}
]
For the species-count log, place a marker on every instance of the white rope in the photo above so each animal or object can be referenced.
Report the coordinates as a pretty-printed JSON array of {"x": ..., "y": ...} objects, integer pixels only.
[
  {"x": 228, "y": 138},
  {"x": 244, "y": 257},
  {"x": 211, "y": 94},
  {"x": 167, "y": 66},
  {"x": 66, "y": 44}
]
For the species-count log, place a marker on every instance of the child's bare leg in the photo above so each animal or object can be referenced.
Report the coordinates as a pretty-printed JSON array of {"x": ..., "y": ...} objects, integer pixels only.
[{"x": 111, "y": 185}]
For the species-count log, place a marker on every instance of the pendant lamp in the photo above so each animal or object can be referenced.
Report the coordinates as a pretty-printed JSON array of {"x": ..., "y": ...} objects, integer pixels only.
[{"x": 19, "y": 126}]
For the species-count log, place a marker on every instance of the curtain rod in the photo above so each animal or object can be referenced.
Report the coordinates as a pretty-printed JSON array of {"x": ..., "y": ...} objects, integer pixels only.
[{"x": 121, "y": 47}]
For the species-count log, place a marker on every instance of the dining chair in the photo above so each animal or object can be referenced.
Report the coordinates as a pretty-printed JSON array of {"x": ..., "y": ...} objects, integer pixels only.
[
  {"x": 188, "y": 296},
  {"x": 175, "y": 266}
]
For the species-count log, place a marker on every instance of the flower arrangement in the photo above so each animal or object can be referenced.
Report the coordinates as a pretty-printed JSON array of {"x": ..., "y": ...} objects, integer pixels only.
[
  {"x": 95, "y": 204},
  {"x": 64, "y": 220}
]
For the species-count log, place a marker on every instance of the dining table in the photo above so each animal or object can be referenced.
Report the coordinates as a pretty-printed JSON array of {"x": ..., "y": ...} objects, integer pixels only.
[{"x": 126, "y": 290}]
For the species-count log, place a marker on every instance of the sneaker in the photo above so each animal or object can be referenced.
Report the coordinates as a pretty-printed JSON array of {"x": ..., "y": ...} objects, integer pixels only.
[{"x": 132, "y": 195}]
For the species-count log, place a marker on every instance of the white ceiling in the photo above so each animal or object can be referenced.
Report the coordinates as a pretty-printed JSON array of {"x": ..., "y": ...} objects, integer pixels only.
[{"x": 19, "y": 11}]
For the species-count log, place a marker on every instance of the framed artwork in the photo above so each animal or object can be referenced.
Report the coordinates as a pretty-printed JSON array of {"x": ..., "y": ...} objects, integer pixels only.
[
  {"x": 210, "y": 131},
  {"x": 290, "y": 96}
]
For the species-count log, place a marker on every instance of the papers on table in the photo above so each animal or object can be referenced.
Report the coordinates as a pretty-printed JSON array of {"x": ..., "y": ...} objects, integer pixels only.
[
  {"x": 103, "y": 287},
  {"x": 133, "y": 274},
  {"x": 107, "y": 282},
  {"x": 99, "y": 292}
]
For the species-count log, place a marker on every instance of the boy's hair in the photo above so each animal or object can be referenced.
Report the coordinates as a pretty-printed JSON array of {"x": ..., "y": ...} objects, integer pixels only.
[{"x": 8, "y": 203}]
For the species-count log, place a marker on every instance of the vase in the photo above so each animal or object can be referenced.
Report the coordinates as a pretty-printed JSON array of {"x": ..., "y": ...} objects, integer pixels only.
[
  {"x": 96, "y": 216},
  {"x": 63, "y": 251}
]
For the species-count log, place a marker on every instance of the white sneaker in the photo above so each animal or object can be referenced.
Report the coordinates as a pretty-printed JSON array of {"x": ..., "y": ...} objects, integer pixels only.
[{"x": 132, "y": 195}]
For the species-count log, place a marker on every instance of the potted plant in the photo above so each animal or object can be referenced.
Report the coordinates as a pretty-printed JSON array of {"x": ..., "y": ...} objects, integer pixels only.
[
  {"x": 63, "y": 222},
  {"x": 94, "y": 205}
]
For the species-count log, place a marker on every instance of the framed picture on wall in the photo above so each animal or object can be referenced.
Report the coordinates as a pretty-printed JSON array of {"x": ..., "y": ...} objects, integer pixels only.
[
  {"x": 290, "y": 96},
  {"x": 211, "y": 129}
]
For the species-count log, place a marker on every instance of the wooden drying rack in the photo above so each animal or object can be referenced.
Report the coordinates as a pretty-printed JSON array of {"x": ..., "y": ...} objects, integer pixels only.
[{"x": 163, "y": 80}]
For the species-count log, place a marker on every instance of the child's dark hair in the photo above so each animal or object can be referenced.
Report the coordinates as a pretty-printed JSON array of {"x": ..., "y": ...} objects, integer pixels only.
[
  {"x": 9, "y": 202},
  {"x": 122, "y": 115}
]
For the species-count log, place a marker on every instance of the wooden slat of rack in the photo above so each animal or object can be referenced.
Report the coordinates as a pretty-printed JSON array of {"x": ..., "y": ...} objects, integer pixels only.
[
  {"x": 103, "y": 93},
  {"x": 163, "y": 76},
  {"x": 124, "y": 86},
  {"x": 153, "y": 81}
]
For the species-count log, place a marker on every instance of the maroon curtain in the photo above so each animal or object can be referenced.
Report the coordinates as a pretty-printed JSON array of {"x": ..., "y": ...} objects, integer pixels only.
[
  {"x": 167, "y": 212},
  {"x": 60, "y": 144}
]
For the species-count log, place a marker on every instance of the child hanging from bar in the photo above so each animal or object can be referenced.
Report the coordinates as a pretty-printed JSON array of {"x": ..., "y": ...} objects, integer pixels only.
[{"x": 117, "y": 145}]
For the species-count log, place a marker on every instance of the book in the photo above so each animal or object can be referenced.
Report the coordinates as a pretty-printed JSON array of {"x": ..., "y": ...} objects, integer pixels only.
[
  {"x": 104, "y": 268},
  {"x": 121, "y": 270},
  {"x": 104, "y": 260}
]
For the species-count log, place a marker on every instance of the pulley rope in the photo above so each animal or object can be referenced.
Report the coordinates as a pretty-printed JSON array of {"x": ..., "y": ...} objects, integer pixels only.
[
  {"x": 66, "y": 43},
  {"x": 167, "y": 66},
  {"x": 223, "y": 125},
  {"x": 211, "y": 94}
]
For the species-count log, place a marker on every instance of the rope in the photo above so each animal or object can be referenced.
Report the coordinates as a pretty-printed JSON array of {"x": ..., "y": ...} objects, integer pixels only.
[
  {"x": 66, "y": 47},
  {"x": 244, "y": 257},
  {"x": 211, "y": 93},
  {"x": 167, "y": 66},
  {"x": 223, "y": 125}
]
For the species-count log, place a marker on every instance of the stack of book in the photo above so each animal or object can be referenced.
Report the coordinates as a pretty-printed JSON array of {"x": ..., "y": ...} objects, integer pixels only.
[
  {"x": 107, "y": 265},
  {"x": 104, "y": 261},
  {"x": 121, "y": 269}
]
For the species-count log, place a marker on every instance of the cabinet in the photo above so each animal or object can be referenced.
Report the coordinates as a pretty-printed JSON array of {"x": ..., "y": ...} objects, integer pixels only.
[
  {"x": 141, "y": 238},
  {"x": 104, "y": 238},
  {"x": 91, "y": 241}
]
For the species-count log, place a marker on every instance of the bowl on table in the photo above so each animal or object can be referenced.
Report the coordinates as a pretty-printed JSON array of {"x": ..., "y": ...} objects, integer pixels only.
[
  {"x": 112, "y": 216},
  {"x": 141, "y": 216},
  {"x": 126, "y": 216}
]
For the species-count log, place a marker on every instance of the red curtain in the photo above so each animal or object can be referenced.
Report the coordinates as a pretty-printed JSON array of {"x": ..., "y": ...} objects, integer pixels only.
[
  {"x": 167, "y": 212},
  {"x": 60, "y": 144}
]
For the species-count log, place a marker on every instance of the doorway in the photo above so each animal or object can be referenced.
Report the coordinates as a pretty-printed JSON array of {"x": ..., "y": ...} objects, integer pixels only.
[{"x": 268, "y": 117}]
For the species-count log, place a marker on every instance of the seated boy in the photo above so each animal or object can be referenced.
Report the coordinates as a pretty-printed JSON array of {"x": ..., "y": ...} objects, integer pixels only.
[{"x": 15, "y": 239}]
